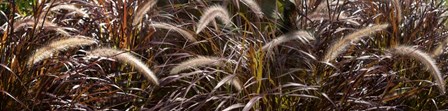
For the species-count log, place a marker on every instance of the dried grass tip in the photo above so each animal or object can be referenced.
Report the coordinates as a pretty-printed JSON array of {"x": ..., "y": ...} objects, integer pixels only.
[
  {"x": 254, "y": 7},
  {"x": 59, "y": 45},
  {"x": 340, "y": 46},
  {"x": 196, "y": 62},
  {"x": 172, "y": 27},
  {"x": 439, "y": 49},
  {"x": 425, "y": 59},
  {"x": 210, "y": 14},
  {"x": 304, "y": 36},
  {"x": 142, "y": 10},
  {"x": 30, "y": 23},
  {"x": 125, "y": 57},
  {"x": 74, "y": 10},
  {"x": 230, "y": 80}
]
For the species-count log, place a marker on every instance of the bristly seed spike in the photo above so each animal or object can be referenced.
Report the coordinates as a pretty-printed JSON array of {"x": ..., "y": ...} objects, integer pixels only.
[{"x": 125, "y": 57}]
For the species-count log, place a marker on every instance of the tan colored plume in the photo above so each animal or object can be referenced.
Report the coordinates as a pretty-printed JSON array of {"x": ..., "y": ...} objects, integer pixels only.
[
  {"x": 235, "y": 82},
  {"x": 326, "y": 16},
  {"x": 230, "y": 80},
  {"x": 322, "y": 13},
  {"x": 303, "y": 36},
  {"x": 172, "y": 27},
  {"x": 196, "y": 62},
  {"x": 73, "y": 8},
  {"x": 439, "y": 48},
  {"x": 323, "y": 6},
  {"x": 425, "y": 59},
  {"x": 210, "y": 14},
  {"x": 30, "y": 22},
  {"x": 254, "y": 7},
  {"x": 59, "y": 45},
  {"x": 125, "y": 57},
  {"x": 142, "y": 10},
  {"x": 340, "y": 46}
]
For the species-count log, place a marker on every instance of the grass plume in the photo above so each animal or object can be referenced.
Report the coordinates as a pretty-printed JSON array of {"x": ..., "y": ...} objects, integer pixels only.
[
  {"x": 59, "y": 45},
  {"x": 210, "y": 14},
  {"x": 143, "y": 9},
  {"x": 439, "y": 48},
  {"x": 125, "y": 57},
  {"x": 236, "y": 83},
  {"x": 425, "y": 59},
  {"x": 230, "y": 80},
  {"x": 172, "y": 27},
  {"x": 273, "y": 62},
  {"x": 303, "y": 36},
  {"x": 323, "y": 6},
  {"x": 196, "y": 62},
  {"x": 30, "y": 23},
  {"x": 254, "y": 7},
  {"x": 73, "y": 8},
  {"x": 339, "y": 46},
  {"x": 325, "y": 16}
]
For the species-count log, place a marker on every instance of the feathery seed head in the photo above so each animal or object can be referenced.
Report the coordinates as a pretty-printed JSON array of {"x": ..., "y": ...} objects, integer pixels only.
[
  {"x": 210, "y": 14},
  {"x": 196, "y": 62},
  {"x": 73, "y": 8},
  {"x": 142, "y": 10},
  {"x": 425, "y": 59},
  {"x": 172, "y": 27},
  {"x": 59, "y": 45},
  {"x": 326, "y": 16},
  {"x": 235, "y": 82},
  {"x": 254, "y": 7},
  {"x": 323, "y": 6},
  {"x": 303, "y": 36},
  {"x": 125, "y": 57},
  {"x": 339, "y": 46},
  {"x": 439, "y": 48},
  {"x": 30, "y": 22}
]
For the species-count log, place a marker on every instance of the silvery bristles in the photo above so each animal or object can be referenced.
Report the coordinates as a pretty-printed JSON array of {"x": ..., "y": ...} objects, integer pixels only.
[
  {"x": 425, "y": 59},
  {"x": 196, "y": 62},
  {"x": 439, "y": 48},
  {"x": 30, "y": 22},
  {"x": 340, "y": 46},
  {"x": 303, "y": 36},
  {"x": 59, "y": 45},
  {"x": 142, "y": 10},
  {"x": 172, "y": 27},
  {"x": 75, "y": 10},
  {"x": 254, "y": 7},
  {"x": 210, "y": 14},
  {"x": 125, "y": 57}
]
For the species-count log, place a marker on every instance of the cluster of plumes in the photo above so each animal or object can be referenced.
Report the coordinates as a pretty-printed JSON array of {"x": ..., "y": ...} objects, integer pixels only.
[{"x": 329, "y": 58}]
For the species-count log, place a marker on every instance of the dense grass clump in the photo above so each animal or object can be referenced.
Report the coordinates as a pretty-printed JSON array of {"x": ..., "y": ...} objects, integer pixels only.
[{"x": 223, "y": 55}]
